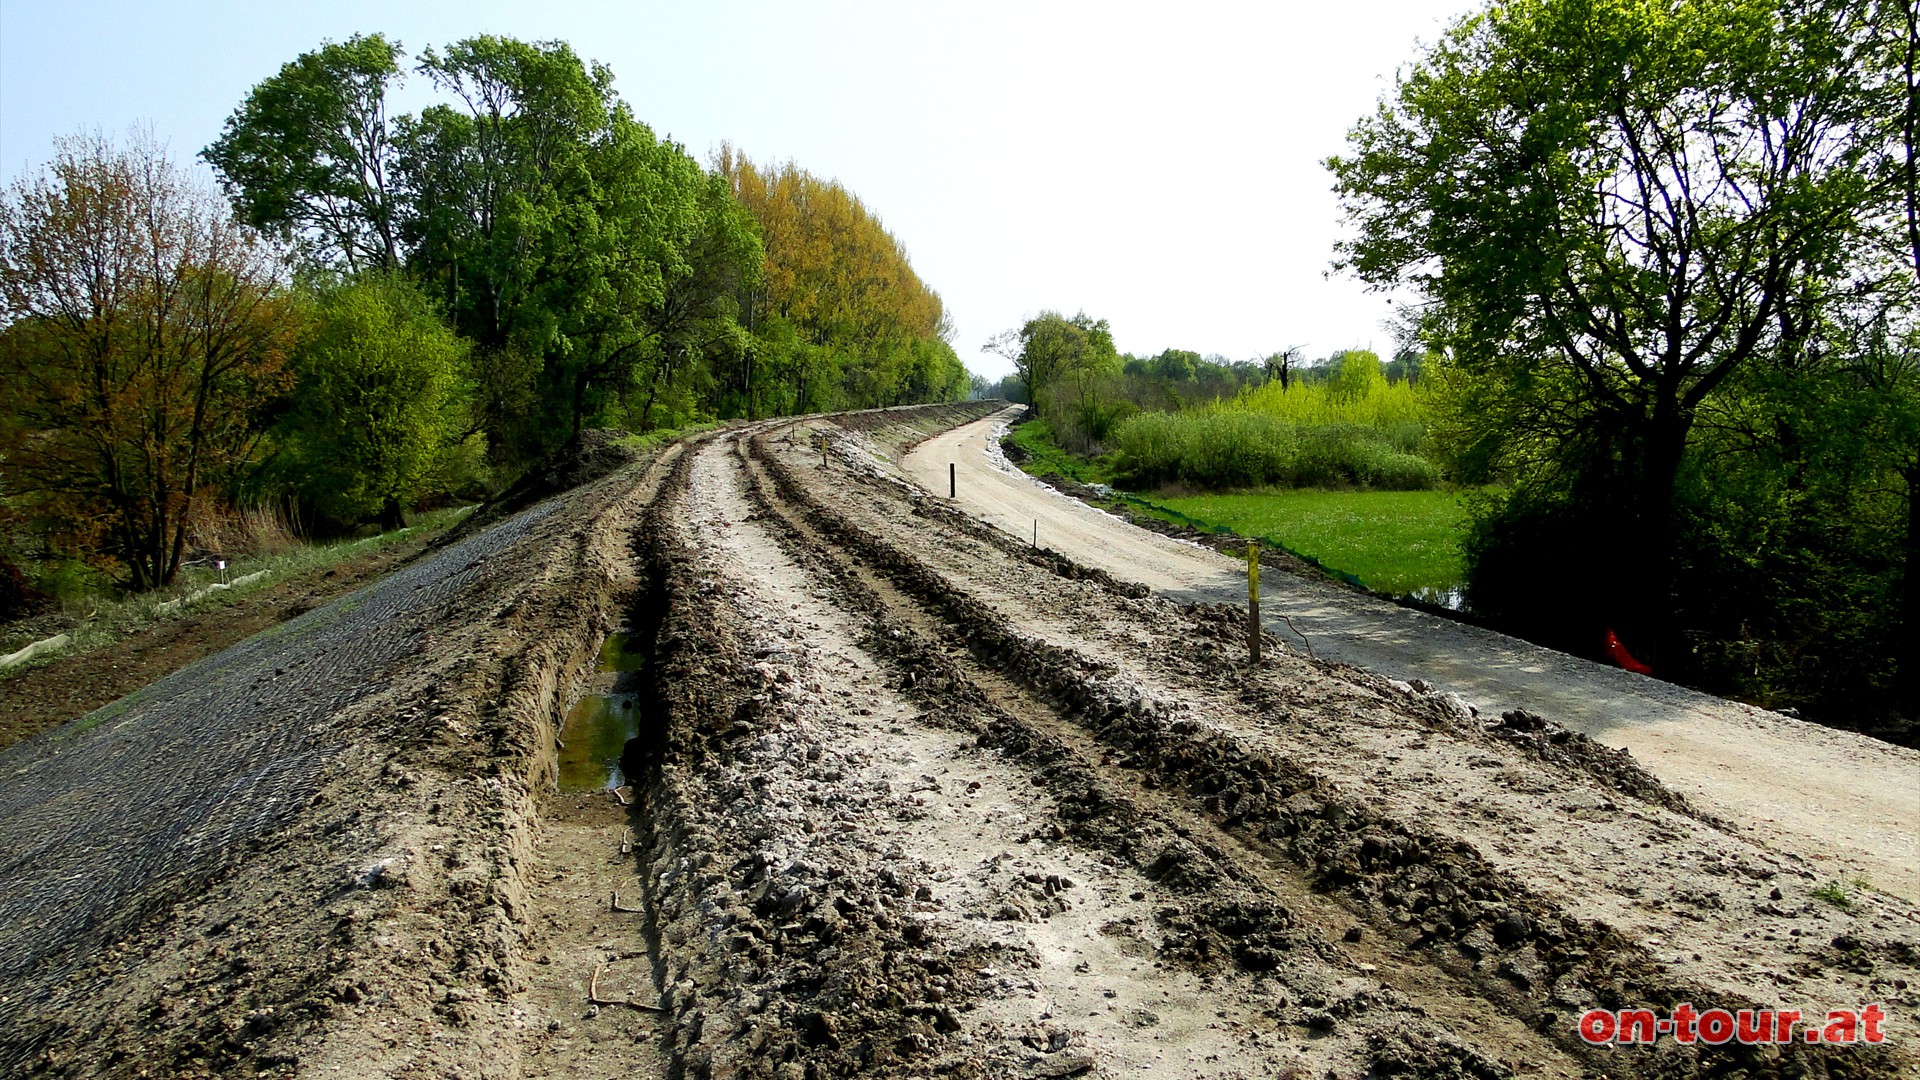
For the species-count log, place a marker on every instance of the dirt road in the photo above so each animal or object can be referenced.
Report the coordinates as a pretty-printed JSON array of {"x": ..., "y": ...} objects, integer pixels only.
[
  {"x": 911, "y": 798},
  {"x": 1850, "y": 804}
]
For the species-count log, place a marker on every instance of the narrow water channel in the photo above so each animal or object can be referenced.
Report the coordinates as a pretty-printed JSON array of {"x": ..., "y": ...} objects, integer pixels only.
[
  {"x": 600, "y": 723},
  {"x": 1453, "y": 597}
]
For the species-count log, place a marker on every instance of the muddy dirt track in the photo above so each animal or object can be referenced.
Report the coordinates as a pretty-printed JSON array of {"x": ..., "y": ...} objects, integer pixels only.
[
  {"x": 911, "y": 798},
  {"x": 1845, "y": 800}
]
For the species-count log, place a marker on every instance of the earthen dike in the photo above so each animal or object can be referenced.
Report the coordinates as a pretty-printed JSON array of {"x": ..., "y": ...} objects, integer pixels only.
[{"x": 913, "y": 796}]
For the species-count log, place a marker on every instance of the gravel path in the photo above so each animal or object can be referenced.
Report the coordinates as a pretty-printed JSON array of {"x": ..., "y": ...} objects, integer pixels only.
[{"x": 1839, "y": 799}]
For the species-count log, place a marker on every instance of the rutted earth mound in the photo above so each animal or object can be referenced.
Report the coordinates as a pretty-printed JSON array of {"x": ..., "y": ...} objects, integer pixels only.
[{"x": 911, "y": 798}]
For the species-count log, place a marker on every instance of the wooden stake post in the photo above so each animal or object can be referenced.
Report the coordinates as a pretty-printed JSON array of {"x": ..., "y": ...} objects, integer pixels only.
[
  {"x": 953, "y": 485},
  {"x": 1253, "y": 602}
]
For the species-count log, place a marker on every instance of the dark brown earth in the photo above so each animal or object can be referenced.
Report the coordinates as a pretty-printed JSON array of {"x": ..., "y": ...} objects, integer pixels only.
[{"x": 911, "y": 799}]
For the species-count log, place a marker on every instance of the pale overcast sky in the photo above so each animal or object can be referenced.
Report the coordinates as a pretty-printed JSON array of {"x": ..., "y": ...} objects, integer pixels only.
[{"x": 1157, "y": 166}]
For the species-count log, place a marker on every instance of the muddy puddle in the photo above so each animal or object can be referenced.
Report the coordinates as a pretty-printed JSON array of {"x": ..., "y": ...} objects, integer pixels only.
[
  {"x": 600, "y": 723},
  {"x": 1451, "y": 597}
]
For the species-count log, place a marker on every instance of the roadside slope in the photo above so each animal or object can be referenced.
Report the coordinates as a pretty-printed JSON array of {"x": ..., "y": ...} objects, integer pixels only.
[
  {"x": 46, "y": 695},
  {"x": 1843, "y": 800},
  {"x": 304, "y": 852}
]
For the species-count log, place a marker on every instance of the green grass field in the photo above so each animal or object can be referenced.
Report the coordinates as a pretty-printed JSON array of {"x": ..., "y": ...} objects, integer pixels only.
[
  {"x": 1396, "y": 542},
  {"x": 1393, "y": 541}
]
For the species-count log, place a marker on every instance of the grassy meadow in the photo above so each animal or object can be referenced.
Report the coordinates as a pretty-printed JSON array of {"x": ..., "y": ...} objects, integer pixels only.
[
  {"x": 1397, "y": 542},
  {"x": 1334, "y": 464}
]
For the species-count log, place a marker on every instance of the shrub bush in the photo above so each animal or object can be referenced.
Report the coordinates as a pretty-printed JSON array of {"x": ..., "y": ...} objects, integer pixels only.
[{"x": 1237, "y": 448}]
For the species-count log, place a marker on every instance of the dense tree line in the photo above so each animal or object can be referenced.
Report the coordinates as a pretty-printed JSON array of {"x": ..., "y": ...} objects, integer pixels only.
[
  {"x": 597, "y": 269},
  {"x": 841, "y": 317},
  {"x": 390, "y": 309},
  {"x": 1669, "y": 253}
]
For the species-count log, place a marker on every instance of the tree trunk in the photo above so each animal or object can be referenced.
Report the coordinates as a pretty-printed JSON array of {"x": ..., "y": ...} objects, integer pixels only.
[
  {"x": 646, "y": 411},
  {"x": 1907, "y": 648},
  {"x": 1650, "y": 539},
  {"x": 392, "y": 514},
  {"x": 579, "y": 402},
  {"x": 152, "y": 543}
]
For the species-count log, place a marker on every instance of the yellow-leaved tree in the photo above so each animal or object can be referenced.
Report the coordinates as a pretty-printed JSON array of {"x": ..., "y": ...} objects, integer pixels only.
[{"x": 840, "y": 314}]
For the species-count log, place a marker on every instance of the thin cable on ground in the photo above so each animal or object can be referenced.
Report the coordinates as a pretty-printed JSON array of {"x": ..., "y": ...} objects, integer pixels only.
[{"x": 1303, "y": 638}]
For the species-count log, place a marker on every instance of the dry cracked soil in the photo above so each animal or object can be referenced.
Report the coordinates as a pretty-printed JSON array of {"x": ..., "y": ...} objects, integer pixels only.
[{"x": 911, "y": 796}]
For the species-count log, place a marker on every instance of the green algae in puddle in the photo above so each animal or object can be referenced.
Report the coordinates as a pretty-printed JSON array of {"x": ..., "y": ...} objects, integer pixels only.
[
  {"x": 615, "y": 657},
  {"x": 599, "y": 725}
]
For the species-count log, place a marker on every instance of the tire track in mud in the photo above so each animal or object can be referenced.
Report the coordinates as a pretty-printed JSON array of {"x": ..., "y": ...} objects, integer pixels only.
[
  {"x": 432, "y": 966},
  {"x": 1254, "y": 938},
  {"x": 1067, "y": 942},
  {"x": 584, "y": 1008},
  {"x": 787, "y": 942},
  {"x": 1431, "y": 889}
]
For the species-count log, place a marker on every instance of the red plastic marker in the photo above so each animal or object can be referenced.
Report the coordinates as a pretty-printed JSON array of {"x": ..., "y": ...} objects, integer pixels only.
[{"x": 1618, "y": 653}]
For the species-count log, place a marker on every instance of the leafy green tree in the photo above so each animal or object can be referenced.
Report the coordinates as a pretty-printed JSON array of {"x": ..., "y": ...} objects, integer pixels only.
[
  {"x": 1612, "y": 207},
  {"x": 503, "y": 185},
  {"x": 1050, "y": 347},
  {"x": 693, "y": 327},
  {"x": 142, "y": 332},
  {"x": 1177, "y": 365},
  {"x": 628, "y": 245},
  {"x": 1071, "y": 370},
  {"x": 1355, "y": 373},
  {"x": 561, "y": 227},
  {"x": 934, "y": 373},
  {"x": 309, "y": 154},
  {"x": 1890, "y": 364},
  {"x": 599, "y": 272},
  {"x": 382, "y": 406}
]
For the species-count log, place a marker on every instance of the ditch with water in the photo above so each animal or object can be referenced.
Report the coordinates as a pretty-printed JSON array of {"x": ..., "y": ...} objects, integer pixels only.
[{"x": 599, "y": 725}]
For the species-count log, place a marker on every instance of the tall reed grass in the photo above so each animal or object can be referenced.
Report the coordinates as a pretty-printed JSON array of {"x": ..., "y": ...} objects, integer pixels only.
[
  {"x": 1383, "y": 405},
  {"x": 1305, "y": 436}
]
